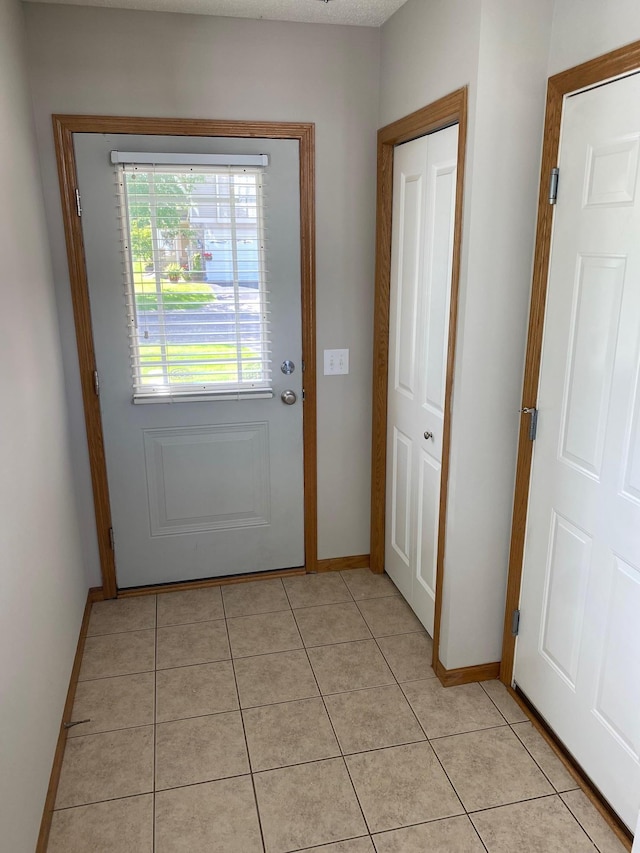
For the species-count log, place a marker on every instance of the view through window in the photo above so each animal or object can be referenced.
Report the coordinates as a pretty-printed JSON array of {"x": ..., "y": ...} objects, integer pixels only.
[{"x": 193, "y": 241}]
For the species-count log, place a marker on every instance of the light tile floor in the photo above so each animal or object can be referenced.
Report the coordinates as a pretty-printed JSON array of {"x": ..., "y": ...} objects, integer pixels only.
[{"x": 296, "y": 716}]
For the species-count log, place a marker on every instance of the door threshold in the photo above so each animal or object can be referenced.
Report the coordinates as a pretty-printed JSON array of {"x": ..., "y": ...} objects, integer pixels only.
[
  {"x": 595, "y": 796},
  {"x": 203, "y": 583}
]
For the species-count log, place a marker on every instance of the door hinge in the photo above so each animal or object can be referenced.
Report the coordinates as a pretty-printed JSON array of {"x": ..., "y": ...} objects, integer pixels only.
[
  {"x": 553, "y": 185},
  {"x": 96, "y": 383},
  {"x": 533, "y": 422},
  {"x": 515, "y": 623},
  {"x": 78, "y": 202},
  {"x": 112, "y": 539}
]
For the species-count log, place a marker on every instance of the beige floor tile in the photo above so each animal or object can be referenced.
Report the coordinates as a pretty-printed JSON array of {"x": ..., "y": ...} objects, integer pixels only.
[
  {"x": 118, "y": 654},
  {"x": 106, "y": 766},
  {"x": 508, "y": 707},
  {"x": 592, "y": 822},
  {"x": 190, "y": 605},
  {"x": 363, "y": 583},
  {"x": 313, "y": 590},
  {"x": 183, "y": 645},
  {"x": 401, "y": 786},
  {"x": 122, "y": 614},
  {"x": 372, "y": 719},
  {"x": 386, "y": 616},
  {"x": 331, "y": 623},
  {"x": 490, "y": 768},
  {"x": 201, "y": 749},
  {"x": 349, "y": 666},
  {"x": 263, "y": 634},
  {"x": 122, "y": 702},
  {"x": 215, "y": 817},
  {"x": 537, "y": 826},
  {"x": 452, "y": 835},
  {"x": 248, "y": 599},
  {"x": 194, "y": 691},
  {"x": 451, "y": 710},
  {"x": 307, "y": 805},
  {"x": 409, "y": 655},
  {"x": 269, "y": 679},
  {"x": 355, "y": 845},
  {"x": 545, "y": 757},
  {"x": 118, "y": 826},
  {"x": 290, "y": 733}
]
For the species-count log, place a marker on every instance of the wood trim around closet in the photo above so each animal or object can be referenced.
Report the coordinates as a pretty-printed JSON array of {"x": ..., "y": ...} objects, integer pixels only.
[
  {"x": 452, "y": 109},
  {"x": 583, "y": 76},
  {"x": 64, "y": 126}
]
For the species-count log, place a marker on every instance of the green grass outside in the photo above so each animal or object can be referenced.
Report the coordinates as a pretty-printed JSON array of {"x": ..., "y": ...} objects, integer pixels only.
[
  {"x": 182, "y": 295},
  {"x": 175, "y": 295},
  {"x": 197, "y": 374}
]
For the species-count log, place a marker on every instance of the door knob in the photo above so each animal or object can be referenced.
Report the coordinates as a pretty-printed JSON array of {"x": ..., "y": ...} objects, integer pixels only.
[
  {"x": 288, "y": 397},
  {"x": 428, "y": 435}
]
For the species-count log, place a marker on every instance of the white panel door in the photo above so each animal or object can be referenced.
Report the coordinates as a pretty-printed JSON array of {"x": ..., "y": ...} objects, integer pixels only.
[
  {"x": 578, "y": 652},
  {"x": 424, "y": 192},
  {"x": 215, "y": 486}
]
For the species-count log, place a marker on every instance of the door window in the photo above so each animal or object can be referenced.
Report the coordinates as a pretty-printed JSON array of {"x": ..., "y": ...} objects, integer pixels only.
[{"x": 195, "y": 282}]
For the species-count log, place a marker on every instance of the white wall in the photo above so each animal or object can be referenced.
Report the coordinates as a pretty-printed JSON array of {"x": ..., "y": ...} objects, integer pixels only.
[
  {"x": 585, "y": 29},
  {"x": 42, "y": 582},
  {"x": 109, "y": 61},
  {"x": 500, "y": 49}
]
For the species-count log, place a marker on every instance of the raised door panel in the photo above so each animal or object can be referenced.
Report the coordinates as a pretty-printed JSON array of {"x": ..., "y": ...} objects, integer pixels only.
[
  {"x": 617, "y": 704},
  {"x": 593, "y": 338},
  {"x": 407, "y": 283},
  {"x": 566, "y": 584},
  {"x": 438, "y": 289},
  {"x": 207, "y": 478},
  {"x": 401, "y": 495}
]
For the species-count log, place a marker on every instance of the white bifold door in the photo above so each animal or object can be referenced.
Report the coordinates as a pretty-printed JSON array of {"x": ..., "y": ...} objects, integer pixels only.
[
  {"x": 194, "y": 282},
  {"x": 424, "y": 195},
  {"x": 578, "y": 651}
]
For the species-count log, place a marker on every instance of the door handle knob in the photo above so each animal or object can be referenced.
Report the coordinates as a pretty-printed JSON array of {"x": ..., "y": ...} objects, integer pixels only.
[
  {"x": 428, "y": 435},
  {"x": 288, "y": 397}
]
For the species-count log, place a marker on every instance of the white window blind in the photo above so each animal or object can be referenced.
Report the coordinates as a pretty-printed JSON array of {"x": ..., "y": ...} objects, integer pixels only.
[{"x": 193, "y": 249}]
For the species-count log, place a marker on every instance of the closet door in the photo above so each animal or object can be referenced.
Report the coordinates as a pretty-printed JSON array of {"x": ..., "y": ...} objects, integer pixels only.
[{"x": 424, "y": 196}]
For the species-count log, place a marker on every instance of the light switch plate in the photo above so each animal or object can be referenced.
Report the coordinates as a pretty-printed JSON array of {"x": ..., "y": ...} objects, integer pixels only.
[{"x": 336, "y": 362}]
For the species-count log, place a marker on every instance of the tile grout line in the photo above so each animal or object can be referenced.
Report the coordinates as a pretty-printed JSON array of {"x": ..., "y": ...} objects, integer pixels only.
[
  {"x": 527, "y": 750},
  {"x": 599, "y": 849},
  {"x": 462, "y": 805},
  {"x": 244, "y": 730},
  {"x": 536, "y": 762},
  {"x": 335, "y": 734},
  {"x": 453, "y": 787}
]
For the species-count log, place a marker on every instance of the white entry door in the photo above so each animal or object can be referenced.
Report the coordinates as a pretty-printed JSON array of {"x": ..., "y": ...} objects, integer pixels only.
[
  {"x": 194, "y": 283},
  {"x": 578, "y": 652},
  {"x": 424, "y": 195}
]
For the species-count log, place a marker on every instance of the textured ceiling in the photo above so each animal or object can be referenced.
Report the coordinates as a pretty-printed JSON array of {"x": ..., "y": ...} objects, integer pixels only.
[{"x": 362, "y": 13}]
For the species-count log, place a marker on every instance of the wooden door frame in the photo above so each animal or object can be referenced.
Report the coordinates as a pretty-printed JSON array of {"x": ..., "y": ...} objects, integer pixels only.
[
  {"x": 592, "y": 73},
  {"x": 64, "y": 126},
  {"x": 447, "y": 111}
]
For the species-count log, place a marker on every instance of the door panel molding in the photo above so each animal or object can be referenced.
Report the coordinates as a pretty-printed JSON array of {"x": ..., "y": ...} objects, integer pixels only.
[
  {"x": 64, "y": 126},
  {"x": 449, "y": 110},
  {"x": 588, "y": 74}
]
